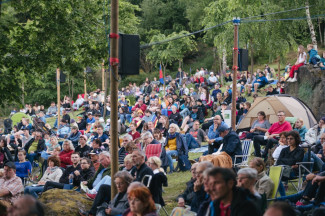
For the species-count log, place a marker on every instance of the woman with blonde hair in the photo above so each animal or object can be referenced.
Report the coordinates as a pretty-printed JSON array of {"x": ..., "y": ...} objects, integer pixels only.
[
  {"x": 301, "y": 60},
  {"x": 158, "y": 180},
  {"x": 175, "y": 145},
  {"x": 300, "y": 128}
]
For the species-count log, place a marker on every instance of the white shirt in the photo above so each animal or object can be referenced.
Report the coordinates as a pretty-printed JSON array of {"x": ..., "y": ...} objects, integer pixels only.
[
  {"x": 213, "y": 79},
  {"x": 301, "y": 58},
  {"x": 277, "y": 151}
]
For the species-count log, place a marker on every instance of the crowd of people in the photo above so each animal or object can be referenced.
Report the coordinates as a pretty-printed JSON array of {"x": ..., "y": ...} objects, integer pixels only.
[{"x": 74, "y": 155}]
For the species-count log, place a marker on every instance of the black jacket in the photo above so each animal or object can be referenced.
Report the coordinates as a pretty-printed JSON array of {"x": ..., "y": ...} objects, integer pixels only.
[
  {"x": 241, "y": 205},
  {"x": 69, "y": 170},
  {"x": 83, "y": 152},
  {"x": 140, "y": 173},
  {"x": 189, "y": 192},
  {"x": 199, "y": 197},
  {"x": 232, "y": 145},
  {"x": 40, "y": 146},
  {"x": 158, "y": 180},
  {"x": 290, "y": 158},
  {"x": 82, "y": 124},
  {"x": 85, "y": 175}
]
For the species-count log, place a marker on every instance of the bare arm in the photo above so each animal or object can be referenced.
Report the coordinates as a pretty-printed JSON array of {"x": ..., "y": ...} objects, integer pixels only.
[{"x": 4, "y": 192}]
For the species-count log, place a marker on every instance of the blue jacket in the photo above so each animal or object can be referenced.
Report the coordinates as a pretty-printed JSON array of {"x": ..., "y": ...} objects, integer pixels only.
[
  {"x": 302, "y": 131},
  {"x": 182, "y": 147},
  {"x": 312, "y": 53},
  {"x": 232, "y": 145},
  {"x": 64, "y": 130},
  {"x": 215, "y": 134},
  {"x": 74, "y": 138},
  {"x": 263, "y": 81}
]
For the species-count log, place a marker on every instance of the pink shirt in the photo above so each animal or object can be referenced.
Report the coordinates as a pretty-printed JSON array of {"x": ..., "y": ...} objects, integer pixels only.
[{"x": 277, "y": 128}]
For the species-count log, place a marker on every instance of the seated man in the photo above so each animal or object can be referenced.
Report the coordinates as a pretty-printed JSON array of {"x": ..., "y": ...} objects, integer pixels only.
[
  {"x": 66, "y": 176},
  {"x": 195, "y": 136},
  {"x": 246, "y": 178},
  {"x": 231, "y": 142},
  {"x": 270, "y": 136},
  {"x": 186, "y": 197},
  {"x": 34, "y": 147},
  {"x": 188, "y": 121},
  {"x": 64, "y": 129},
  {"x": 214, "y": 138},
  {"x": 11, "y": 186},
  {"x": 74, "y": 136},
  {"x": 51, "y": 111},
  {"x": 228, "y": 198},
  {"x": 260, "y": 82},
  {"x": 141, "y": 169}
]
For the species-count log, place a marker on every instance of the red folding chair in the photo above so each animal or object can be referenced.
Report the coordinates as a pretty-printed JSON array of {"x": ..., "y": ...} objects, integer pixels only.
[{"x": 153, "y": 150}]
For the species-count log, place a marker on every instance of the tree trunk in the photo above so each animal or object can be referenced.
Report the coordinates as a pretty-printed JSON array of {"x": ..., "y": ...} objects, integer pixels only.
[
  {"x": 320, "y": 31},
  {"x": 252, "y": 56},
  {"x": 311, "y": 26},
  {"x": 71, "y": 89},
  {"x": 224, "y": 61}
]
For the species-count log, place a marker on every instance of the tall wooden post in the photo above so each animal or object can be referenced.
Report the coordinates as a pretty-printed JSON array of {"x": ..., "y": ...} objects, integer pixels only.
[
  {"x": 58, "y": 95},
  {"x": 114, "y": 89},
  {"x": 103, "y": 76},
  {"x": 164, "y": 84},
  {"x": 279, "y": 69},
  {"x": 85, "y": 83},
  {"x": 236, "y": 22}
]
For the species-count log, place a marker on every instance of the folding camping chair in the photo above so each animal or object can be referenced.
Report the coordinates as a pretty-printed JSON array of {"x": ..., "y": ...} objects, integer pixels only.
[
  {"x": 275, "y": 173},
  {"x": 247, "y": 149},
  {"x": 153, "y": 150}
]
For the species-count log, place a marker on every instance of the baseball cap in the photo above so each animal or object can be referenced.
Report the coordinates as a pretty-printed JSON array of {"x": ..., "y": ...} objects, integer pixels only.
[
  {"x": 95, "y": 152},
  {"x": 223, "y": 128},
  {"x": 89, "y": 113},
  {"x": 84, "y": 136},
  {"x": 10, "y": 165},
  {"x": 224, "y": 103}
]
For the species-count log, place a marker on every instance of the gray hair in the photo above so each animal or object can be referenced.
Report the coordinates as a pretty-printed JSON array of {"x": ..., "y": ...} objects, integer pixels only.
[
  {"x": 70, "y": 144},
  {"x": 142, "y": 153},
  {"x": 176, "y": 127},
  {"x": 125, "y": 176},
  {"x": 128, "y": 137},
  {"x": 249, "y": 172},
  {"x": 105, "y": 153},
  {"x": 146, "y": 135},
  {"x": 205, "y": 164}
]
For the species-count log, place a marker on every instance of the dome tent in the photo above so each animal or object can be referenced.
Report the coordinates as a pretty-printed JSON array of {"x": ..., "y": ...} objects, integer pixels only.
[{"x": 271, "y": 105}]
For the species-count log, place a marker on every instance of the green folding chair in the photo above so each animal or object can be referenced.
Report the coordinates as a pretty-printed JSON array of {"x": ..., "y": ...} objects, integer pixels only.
[{"x": 275, "y": 174}]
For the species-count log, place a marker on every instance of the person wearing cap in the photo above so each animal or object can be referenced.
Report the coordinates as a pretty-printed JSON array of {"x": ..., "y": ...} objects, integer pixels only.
[
  {"x": 11, "y": 186},
  {"x": 195, "y": 114},
  {"x": 231, "y": 142},
  {"x": 212, "y": 79},
  {"x": 64, "y": 129},
  {"x": 74, "y": 136},
  {"x": 83, "y": 149},
  {"x": 214, "y": 138},
  {"x": 193, "y": 93},
  {"x": 90, "y": 118}
]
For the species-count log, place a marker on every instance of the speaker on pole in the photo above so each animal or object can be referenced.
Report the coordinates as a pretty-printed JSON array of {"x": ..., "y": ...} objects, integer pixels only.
[
  {"x": 243, "y": 59},
  {"x": 129, "y": 54},
  {"x": 62, "y": 77}
]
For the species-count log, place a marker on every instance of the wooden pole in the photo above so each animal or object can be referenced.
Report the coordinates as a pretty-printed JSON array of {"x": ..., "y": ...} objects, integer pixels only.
[
  {"x": 279, "y": 69},
  {"x": 103, "y": 76},
  {"x": 105, "y": 93},
  {"x": 164, "y": 81},
  {"x": 236, "y": 22},
  {"x": 85, "y": 83},
  {"x": 58, "y": 95},
  {"x": 114, "y": 90}
]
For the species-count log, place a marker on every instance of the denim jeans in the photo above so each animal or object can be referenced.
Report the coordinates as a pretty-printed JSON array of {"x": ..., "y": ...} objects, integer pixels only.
[
  {"x": 75, "y": 106},
  {"x": 191, "y": 141},
  {"x": 282, "y": 190},
  {"x": 105, "y": 180},
  {"x": 33, "y": 191},
  {"x": 185, "y": 112},
  {"x": 318, "y": 163},
  {"x": 170, "y": 159},
  {"x": 31, "y": 157}
]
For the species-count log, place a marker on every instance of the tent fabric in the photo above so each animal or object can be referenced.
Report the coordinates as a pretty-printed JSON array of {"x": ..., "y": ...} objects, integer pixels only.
[
  {"x": 16, "y": 118},
  {"x": 293, "y": 107}
]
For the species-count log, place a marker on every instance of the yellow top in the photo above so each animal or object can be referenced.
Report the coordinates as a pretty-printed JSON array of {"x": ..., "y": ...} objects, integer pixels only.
[
  {"x": 171, "y": 144},
  {"x": 33, "y": 147}
]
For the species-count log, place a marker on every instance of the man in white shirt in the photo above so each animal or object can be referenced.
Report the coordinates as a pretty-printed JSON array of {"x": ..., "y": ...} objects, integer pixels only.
[{"x": 212, "y": 79}]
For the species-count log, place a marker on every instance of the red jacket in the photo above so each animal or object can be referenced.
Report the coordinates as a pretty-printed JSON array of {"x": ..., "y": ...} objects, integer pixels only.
[
  {"x": 65, "y": 157},
  {"x": 143, "y": 107}
]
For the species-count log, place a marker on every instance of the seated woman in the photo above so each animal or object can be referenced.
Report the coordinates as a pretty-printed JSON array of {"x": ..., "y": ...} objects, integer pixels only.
[
  {"x": 227, "y": 97},
  {"x": 65, "y": 154},
  {"x": 50, "y": 148},
  {"x": 23, "y": 167},
  {"x": 133, "y": 131},
  {"x": 141, "y": 203},
  {"x": 158, "y": 136},
  {"x": 163, "y": 125},
  {"x": 5, "y": 154},
  {"x": 158, "y": 180},
  {"x": 175, "y": 146},
  {"x": 52, "y": 173},
  {"x": 300, "y": 128},
  {"x": 282, "y": 144},
  {"x": 289, "y": 157},
  {"x": 128, "y": 163},
  {"x": 259, "y": 126},
  {"x": 119, "y": 204},
  {"x": 174, "y": 117},
  {"x": 264, "y": 184}
]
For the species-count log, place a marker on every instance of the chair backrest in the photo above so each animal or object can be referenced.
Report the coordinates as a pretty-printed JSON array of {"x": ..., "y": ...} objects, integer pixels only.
[
  {"x": 246, "y": 146},
  {"x": 153, "y": 150},
  {"x": 275, "y": 174}
]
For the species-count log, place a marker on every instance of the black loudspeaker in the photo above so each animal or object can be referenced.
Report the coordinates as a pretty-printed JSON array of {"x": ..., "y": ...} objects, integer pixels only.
[
  {"x": 62, "y": 77},
  {"x": 243, "y": 59},
  {"x": 129, "y": 54}
]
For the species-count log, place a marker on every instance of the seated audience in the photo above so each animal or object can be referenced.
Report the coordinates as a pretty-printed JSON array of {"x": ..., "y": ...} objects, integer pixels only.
[
  {"x": 23, "y": 167},
  {"x": 65, "y": 154}
]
